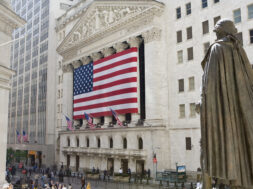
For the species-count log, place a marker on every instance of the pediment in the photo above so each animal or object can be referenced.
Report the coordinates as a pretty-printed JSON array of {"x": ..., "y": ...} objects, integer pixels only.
[{"x": 103, "y": 17}]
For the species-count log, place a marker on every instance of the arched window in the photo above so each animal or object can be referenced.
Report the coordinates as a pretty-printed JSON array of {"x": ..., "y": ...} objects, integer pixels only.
[
  {"x": 111, "y": 143},
  {"x": 124, "y": 143},
  {"x": 87, "y": 142},
  {"x": 77, "y": 142},
  {"x": 68, "y": 142},
  {"x": 98, "y": 142},
  {"x": 140, "y": 142}
]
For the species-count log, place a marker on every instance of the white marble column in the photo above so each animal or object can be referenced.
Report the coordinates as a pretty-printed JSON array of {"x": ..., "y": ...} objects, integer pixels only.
[
  {"x": 77, "y": 64},
  {"x": 96, "y": 56},
  {"x": 135, "y": 42},
  {"x": 156, "y": 102},
  {"x": 107, "y": 52},
  {"x": 119, "y": 47},
  {"x": 85, "y": 60},
  {"x": 67, "y": 106}
]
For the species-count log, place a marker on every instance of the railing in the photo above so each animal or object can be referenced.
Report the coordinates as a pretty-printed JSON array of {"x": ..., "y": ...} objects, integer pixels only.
[{"x": 106, "y": 151}]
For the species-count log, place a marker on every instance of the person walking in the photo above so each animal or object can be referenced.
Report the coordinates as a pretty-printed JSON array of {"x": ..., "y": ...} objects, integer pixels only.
[{"x": 83, "y": 182}]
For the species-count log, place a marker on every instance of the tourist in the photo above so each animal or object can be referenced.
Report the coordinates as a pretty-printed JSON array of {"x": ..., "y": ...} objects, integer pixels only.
[{"x": 120, "y": 171}]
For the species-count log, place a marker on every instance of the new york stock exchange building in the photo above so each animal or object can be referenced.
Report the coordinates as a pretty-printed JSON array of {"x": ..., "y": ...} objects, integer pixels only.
[{"x": 121, "y": 56}]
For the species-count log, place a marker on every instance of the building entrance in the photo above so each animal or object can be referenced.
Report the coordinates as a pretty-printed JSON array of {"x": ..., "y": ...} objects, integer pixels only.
[
  {"x": 140, "y": 166},
  {"x": 110, "y": 165},
  {"x": 124, "y": 165}
]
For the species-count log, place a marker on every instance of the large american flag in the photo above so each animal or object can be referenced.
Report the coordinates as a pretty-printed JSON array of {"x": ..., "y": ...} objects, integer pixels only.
[{"x": 110, "y": 82}]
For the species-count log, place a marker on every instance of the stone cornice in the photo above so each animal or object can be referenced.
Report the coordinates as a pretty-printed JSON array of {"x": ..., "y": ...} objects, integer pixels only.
[
  {"x": 5, "y": 76},
  {"x": 114, "y": 17},
  {"x": 9, "y": 20},
  {"x": 67, "y": 68},
  {"x": 152, "y": 35}
]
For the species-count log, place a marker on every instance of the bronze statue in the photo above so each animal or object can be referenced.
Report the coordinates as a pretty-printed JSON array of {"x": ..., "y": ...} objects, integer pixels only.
[{"x": 227, "y": 110}]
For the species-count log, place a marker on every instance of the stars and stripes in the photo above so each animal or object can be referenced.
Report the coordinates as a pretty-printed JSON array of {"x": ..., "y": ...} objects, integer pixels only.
[
  {"x": 109, "y": 82},
  {"x": 114, "y": 113},
  {"x": 69, "y": 123},
  {"x": 89, "y": 120},
  {"x": 18, "y": 136},
  {"x": 25, "y": 137}
]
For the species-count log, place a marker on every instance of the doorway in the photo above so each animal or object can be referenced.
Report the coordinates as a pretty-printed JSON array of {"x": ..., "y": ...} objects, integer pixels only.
[
  {"x": 110, "y": 165},
  {"x": 140, "y": 166},
  {"x": 124, "y": 165}
]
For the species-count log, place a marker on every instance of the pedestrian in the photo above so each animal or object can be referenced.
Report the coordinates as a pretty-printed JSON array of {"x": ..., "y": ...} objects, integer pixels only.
[
  {"x": 149, "y": 172},
  {"x": 83, "y": 182},
  {"x": 120, "y": 171},
  {"x": 69, "y": 187},
  {"x": 64, "y": 186}
]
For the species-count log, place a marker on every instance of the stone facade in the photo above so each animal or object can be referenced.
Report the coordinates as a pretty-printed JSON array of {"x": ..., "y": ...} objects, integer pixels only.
[
  {"x": 8, "y": 22},
  {"x": 171, "y": 128}
]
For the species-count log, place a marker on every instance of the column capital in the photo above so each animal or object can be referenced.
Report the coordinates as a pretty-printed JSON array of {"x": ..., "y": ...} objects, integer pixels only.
[
  {"x": 76, "y": 64},
  {"x": 67, "y": 68},
  {"x": 153, "y": 34},
  {"x": 108, "y": 51},
  {"x": 96, "y": 56},
  {"x": 120, "y": 46},
  {"x": 86, "y": 60},
  {"x": 134, "y": 41}
]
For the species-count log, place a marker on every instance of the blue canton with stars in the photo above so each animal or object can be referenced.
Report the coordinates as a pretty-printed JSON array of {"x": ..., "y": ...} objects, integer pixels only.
[{"x": 83, "y": 79}]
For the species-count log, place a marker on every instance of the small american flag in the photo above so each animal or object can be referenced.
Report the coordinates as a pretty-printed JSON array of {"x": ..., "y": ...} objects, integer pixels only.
[
  {"x": 89, "y": 120},
  {"x": 108, "y": 82},
  {"x": 69, "y": 123},
  {"x": 25, "y": 137},
  {"x": 18, "y": 136},
  {"x": 114, "y": 113}
]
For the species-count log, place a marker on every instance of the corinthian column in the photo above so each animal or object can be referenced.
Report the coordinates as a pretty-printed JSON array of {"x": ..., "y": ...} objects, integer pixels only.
[
  {"x": 119, "y": 47},
  {"x": 107, "y": 52},
  {"x": 135, "y": 42},
  {"x": 96, "y": 56},
  {"x": 67, "y": 108}
]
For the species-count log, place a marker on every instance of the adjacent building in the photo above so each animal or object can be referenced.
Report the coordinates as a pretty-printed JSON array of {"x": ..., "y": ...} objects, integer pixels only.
[
  {"x": 32, "y": 96},
  {"x": 8, "y": 22},
  {"x": 172, "y": 38}
]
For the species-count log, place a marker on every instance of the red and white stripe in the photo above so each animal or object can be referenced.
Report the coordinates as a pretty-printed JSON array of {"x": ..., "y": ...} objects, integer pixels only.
[{"x": 114, "y": 85}]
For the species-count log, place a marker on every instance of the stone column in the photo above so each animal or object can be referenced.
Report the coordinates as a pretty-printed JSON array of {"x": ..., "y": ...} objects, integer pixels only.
[
  {"x": 96, "y": 56},
  {"x": 135, "y": 42},
  {"x": 77, "y": 64},
  {"x": 5, "y": 75},
  {"x": 67, "y": 108},
  {"x": 156, "y": 103},
  {"x": 119, "y": 47},
  {"x": 85, "y": 60},
  {"x": 107, "y": 52}
]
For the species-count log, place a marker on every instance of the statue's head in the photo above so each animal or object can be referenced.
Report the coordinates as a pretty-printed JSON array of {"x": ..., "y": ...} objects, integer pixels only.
[{"x": 224, "y": 27}]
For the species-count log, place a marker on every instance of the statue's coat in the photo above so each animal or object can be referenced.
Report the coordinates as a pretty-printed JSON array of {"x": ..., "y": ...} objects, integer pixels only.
[{"x": 227, "y": 113}]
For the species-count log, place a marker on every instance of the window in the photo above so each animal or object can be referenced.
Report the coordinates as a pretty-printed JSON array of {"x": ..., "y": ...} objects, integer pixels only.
[
  {"x": 216, "y": 19},
  {"x": 237, "y": 15},
  {"x": 188, "y": 8},
  {"x": 124, "y": 143},
  {"x": 181, "y": 110},
  {"x": 190, "y": 53},
  {"x": 178, "y": 12},
  {"x": 191, "y": 84},
  {"x": 189, "y": 32},
  {"x": 216, "y": 1},
  {"x": 98, "y": 142},
  {"x": 179, "y": 36},
  {"x": 87, "y": 142},
  {"x": 128, "y": 117},
  {"x": 180, "y": 56},
  {"x": 181, "y": 85},
  {"x": 111, "y": 143},
  {"x": 239, "y": 37},
  {"x": 206, "y": 47},
  {"x": 251, "y": 35},
  {"x": 205, "y": 27},
  {"x": 68, "y": 142},
  {"x": 77, "y": 142},
  {"x": 250, "y": 11},
  {"x": 204, "y": 3},
  {"x": 188, "y": 143},
  {"x": 192, "y": 109},
  {"x": 102, "y": 120},
  {"x": 140, "y": 143}
]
